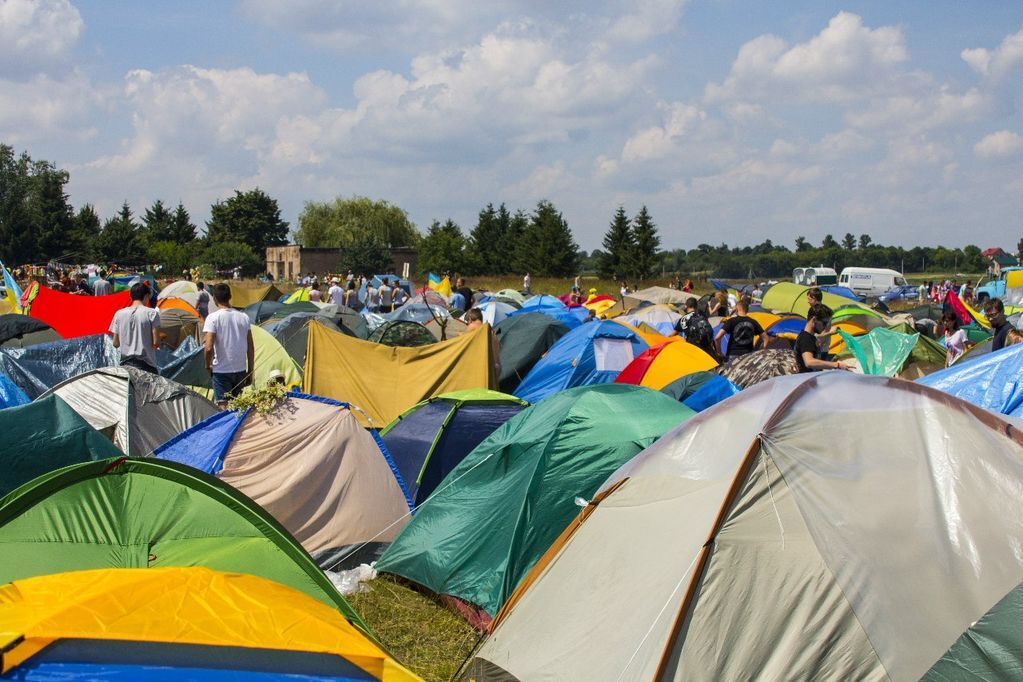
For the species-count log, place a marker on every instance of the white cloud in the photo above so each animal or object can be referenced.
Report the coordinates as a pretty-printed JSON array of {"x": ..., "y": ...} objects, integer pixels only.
[
  {"x": 845, "y": 61},
  {"x": 648, "y": 19},
  {"x": 42, "y": 108},
  {"x": 1000, "y": 62},
  {"x": 37, "y": 35},
  {"x": 1000, "y": 145},
  {"x": 681, "y": 121}
]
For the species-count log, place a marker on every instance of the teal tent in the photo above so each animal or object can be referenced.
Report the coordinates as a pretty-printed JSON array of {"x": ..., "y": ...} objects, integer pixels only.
[
  {"x": 500, "y": 509},
  {"x": 45, "y": 435}
]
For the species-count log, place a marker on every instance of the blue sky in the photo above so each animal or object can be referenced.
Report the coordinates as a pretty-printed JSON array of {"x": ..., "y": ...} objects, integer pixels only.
[{"x": 731, "y": 121}]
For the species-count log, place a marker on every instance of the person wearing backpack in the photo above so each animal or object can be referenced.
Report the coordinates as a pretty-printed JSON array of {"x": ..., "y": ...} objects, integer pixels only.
[{"x": 743, "y": 331}]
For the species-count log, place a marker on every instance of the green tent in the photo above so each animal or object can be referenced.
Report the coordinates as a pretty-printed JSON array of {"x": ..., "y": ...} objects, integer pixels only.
[
  {"x": 791, "y": 298},
  {"x": 45, "y": 435},
  {"x": 524, "y": 340},
  {"x": 149, "y": 513},
  {"x": 405, "y": 333},
  {"x": 500, "y": 509},
  {"x": 992, "y": 649}
]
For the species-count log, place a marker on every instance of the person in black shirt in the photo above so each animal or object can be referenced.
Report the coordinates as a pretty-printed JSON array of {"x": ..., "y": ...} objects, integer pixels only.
[
  {"x": 994, "y": 311},
  {"x": 465, "y": 291},
  {"x": 695, "y": 329},
  {"x": 743, "y": 331},
  {"x": 808, "y": 355}
]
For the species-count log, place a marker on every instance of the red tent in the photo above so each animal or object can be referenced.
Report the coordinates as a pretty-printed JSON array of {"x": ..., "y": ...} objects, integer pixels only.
[{"x": 71, "y": 315}]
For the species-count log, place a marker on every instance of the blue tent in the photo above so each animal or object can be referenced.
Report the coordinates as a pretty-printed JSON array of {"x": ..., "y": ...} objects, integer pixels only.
[
  {"x": 552, "y": 307},
  {"x": 432, "y": 438},
  {"x": 844, "y": 292},
  {"x": 993, "y": 381},
  {"x": 710, "y": 393},
  {"x": 10, "y": 394},
  {"x": 593, "y": 353}
]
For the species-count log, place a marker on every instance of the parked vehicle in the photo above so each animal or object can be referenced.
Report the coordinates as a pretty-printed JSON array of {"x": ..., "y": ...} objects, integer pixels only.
[
  {"x": 872, "y": 282},
  {"x": 815, "y": 277},
  {"x": 995, "y": 288}
]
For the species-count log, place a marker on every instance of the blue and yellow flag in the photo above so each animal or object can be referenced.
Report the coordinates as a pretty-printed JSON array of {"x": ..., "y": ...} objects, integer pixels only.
[
  {"x": 441, "y": 286},
  {"x": 13, "y": 290}
]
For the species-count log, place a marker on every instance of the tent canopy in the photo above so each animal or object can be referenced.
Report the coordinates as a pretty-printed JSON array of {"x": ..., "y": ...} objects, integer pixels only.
[
  {"x": 172, "y": 623},
  {"x": 767, "y": 551},
  {"x": 37, "y": 368},
  {"x": 500, "y": 509},
  {"x": 659, "y": 366},
  {"x": 243, "y": 297},
  {"x": 18, "y": 331},
  {"x": 292, "y": 332},
  {"x": 384, "y": 381},
  {"x": 403, "y": 333},
  {"x": 124, "y": 513},
  {"x": 787, "y": 297},
  {"x": 524, "y": 340}
]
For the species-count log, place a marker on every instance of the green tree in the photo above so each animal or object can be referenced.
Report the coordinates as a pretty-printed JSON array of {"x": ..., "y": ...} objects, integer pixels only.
[
  {"x": 343, "y": 222},
  {"x": 802, "y": 245},
  {"x": 643, "y": 260},
  {"x": 158, "y": 223},
  {"x": 548, "y": 248},
  {"x": 486, "y": 240},
  {"x": 35, "y": 216},
  {"x": 443, "y": 248},
  {"x": 182, "y": 228},
  {"x": 848, "y": 242},
  {"x": 119, "y": 240},
  {"x": 865, "y": 241},
  {"x": 52, "y": 215},
  {"x": 224, "y": 256},
  {"x": 366, "y": 255},
  {"x": 85, "y": 232},
  {"x": 829, "y": 242},
  {"x": 513, "y": 228},
  {"x": 619, "y": 244},
  {"x": 252, "y": 218},
  {"x": 176, "y": 256}
]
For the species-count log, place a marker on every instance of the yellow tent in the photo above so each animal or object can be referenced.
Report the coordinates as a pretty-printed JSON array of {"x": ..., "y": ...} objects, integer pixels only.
[
  {"x": 242, "y": 297},
  {"x": 192, "y": 608},
  {"x": 387, "y": 380},
  {"x": 661, "y": 365},
  {"x": 301, "y": 294}
]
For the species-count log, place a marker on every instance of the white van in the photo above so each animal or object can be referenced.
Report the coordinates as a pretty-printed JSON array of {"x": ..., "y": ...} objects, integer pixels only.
[
  {"x": 815, "y": 277},
  {"x": 870, "y": 281}
]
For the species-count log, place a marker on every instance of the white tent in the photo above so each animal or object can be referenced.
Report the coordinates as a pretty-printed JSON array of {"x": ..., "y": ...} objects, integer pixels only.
[
  {"x": 135, "y": 409},
  {"x": 183, "y": 289},
  {"x": 819, "y": 526}
]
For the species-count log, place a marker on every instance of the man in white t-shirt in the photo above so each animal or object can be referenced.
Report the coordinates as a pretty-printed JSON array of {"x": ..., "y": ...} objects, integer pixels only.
[
  {"x": 136, "y": 331},
  {"x": 230, "y": 353},
  {"x": 384, "y": 292},
  {"x": 335, "y": 294}
]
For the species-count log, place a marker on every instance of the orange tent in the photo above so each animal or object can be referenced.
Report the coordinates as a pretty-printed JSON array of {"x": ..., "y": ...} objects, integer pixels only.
[
  {"x": 661, "y": 365},
  {"x": 179, "y": 303}
]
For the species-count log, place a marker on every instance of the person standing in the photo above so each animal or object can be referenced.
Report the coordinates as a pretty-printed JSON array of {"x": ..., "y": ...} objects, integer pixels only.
[
  {"x": 372, "y": 298},
  {"x": 102, "y": 286},
  {"x": 384, "y": 293},
  {"x": 994, "y": 311},
  {"x": 465, "y": 291},
  {"x": 314, "y": 293},
  {"x": 335, "y": 294},
  {"x": 955, "y": 338},
  {"x": 399, "y": 296},
  {"x": 230, "y": 352},
  {"x": 527, "y": 281},
  {"x": 695, "y": 328},
  {"x": 202, "y": 301},
  {"x": 136, "y": 331},
  {"x": 743, "y": 331}
]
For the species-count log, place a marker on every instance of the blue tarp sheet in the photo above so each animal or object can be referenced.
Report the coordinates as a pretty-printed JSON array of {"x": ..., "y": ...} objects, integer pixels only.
[
  {"x": 204, "y": 445},
  {"x": 711, "y": 393},
  {"x": 10, "y": 394},
  {"x": 38, "y": 368},
  {"x": 993, "y": 381}
]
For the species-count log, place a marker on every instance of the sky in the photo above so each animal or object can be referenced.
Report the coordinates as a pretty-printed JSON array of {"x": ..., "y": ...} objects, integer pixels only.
[{"x": 732, "y": 121}]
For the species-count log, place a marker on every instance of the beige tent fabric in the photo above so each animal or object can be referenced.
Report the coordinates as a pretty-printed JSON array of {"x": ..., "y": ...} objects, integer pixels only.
[
  {"x": 318, "y": 472},
  {"x": 856, "y": 525},
  {"x": 386, "y": 380}
]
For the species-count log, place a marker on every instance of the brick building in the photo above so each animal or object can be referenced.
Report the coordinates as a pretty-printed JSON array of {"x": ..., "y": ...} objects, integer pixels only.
[{"x": 286, "y": 263}]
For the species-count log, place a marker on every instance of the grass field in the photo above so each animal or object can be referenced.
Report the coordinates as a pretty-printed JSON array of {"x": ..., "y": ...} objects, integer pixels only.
[{"x": 427, "y": 638}]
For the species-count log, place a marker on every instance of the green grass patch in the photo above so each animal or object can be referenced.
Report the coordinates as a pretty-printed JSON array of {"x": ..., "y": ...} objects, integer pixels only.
[{"x": 424, "y": 636}]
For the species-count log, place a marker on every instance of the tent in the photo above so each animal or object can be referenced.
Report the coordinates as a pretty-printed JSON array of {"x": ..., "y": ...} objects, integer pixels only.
[
  {"x": 994, "y": 381},
  {"x": 70, "y": 315},
  {"x": 44, "y": 435},
  {"x": 10, "y": 394},
  {"x": 524, "y": 340},
  {"x": 133, "y": 408},
  {"x": 554, "y": 308},
  {"x": 308, "y": 463},
  {"x": 786, "y": 297},
  {"x": 292, "y": 332},
  {"x": 661, "y": 317},
  {"x": 174, "y": 303},
  {"x": 404, "y": 333},
  {"x": 182, "y": 290},
  {"x": 821, "y": 526},
  {"x": 446, "y": 328},
  {"x": 177, "y": 324},
  {"x": 263, "y": 310},
  {"x": 660, "y": 365},
  {"x": 591, "y": 354},
  {"x": 990, "y": 649},
  {"x": 37, "y": 368},
  {"x": 688, "y": 384},
  {"x": 500, "y": 509},
  {"x": 129, "y": 513},
  {"x": 243, "y": 297},
  {"x": 710, "y": 393},
  {"x": 495, "y": 311},
  {"x": 510, "y": 296},
  {"x": 427, "y": 441},
  {"x": 654, "y": 296},
  {"x": 179, "y": 623},
  {"x": 20, "y": 331},
  {"x": 761, "y": 365},
  {"x": 385, "y": 380}
]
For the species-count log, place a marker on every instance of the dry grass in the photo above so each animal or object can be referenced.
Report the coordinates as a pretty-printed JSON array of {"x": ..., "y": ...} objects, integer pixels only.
[{"x": 427, "y": 638}]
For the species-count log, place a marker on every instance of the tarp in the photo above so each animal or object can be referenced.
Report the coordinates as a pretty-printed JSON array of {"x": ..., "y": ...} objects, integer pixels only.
[
  {"x": 500, "y": 509},
  {"x": 38, "y": 368},
  {"x": 594, "y": 353},
  {"x": 239, "y": 625},
  {"x": 524, "y": 340},
  {"x": 135, "y": 409},
  {"x": 822, "y": 526},
  {"x": 385, "y": 380},
  {"x": 178, "y": 517},
  {"x": 72, "y": 316},
  {"x": 991, "y": 649},
  {"x": 994, "y": 381},
  {"x": 882, "y": 352},
  {"x": 38, "y": 437},
  {"x": 429, "y": 440},
  {"x": 10, "y": 394}
]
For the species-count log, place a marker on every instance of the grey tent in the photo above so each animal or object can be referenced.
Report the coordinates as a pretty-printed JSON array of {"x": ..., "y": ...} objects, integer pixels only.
[
  {"x": 292, "y": 332},
  {"x": 135, "y": 409},
  {"x": 524, "y": 340},
  {"x": 20, "y": 331}
]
